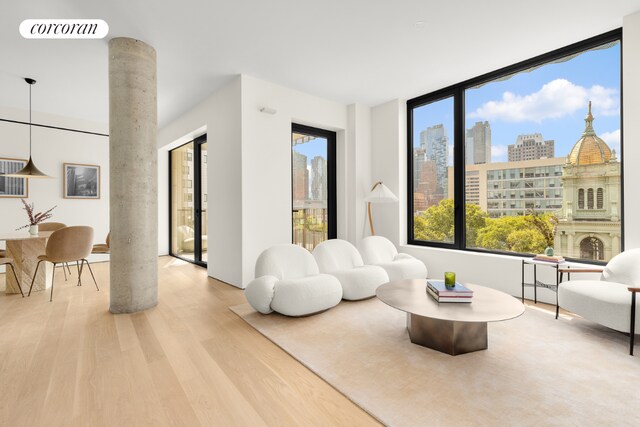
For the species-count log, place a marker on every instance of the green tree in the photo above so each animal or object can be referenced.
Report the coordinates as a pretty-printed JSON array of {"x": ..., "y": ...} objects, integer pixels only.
[{"x": 437, "y": 222}]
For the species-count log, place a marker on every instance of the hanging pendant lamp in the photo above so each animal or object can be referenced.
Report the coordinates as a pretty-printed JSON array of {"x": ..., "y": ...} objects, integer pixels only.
[{"x": 29, "y": 170}]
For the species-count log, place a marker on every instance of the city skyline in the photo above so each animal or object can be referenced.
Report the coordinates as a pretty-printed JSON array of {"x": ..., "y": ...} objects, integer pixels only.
[{"x": 551, "y": 100}]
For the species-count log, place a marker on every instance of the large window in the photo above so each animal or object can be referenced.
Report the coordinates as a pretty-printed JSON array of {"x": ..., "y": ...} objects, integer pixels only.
[
  {"x": 313, "y": 185},
  {"x": 524, "y": 158}
]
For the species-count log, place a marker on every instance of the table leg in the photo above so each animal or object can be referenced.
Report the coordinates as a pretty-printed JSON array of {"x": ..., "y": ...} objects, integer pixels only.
[
  {"x": 25, "y": 258},
  {"x": 535, "y": 284},
  {"x": 447, "y": 336},
  {"x": 522, "y": 281}
]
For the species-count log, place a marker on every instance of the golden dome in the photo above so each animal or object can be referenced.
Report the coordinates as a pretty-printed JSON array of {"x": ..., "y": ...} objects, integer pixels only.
[{"x": 590, "y": 149}]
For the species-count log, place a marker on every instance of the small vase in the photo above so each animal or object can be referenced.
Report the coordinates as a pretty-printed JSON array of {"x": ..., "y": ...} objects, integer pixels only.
[
  {"x": 548, "y": 251},
  {"x": 33, "y": 230}
]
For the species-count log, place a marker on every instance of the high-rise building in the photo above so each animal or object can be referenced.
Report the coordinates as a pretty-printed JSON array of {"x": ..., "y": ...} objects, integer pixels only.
[
  {"x": 318, "y": 178},
  {"x": 300, "y": 178},
  {"x": 478, "y": 144},
  {"x": 531, "y": 147},
  {"x": 425, "y": 191},
  {"x": 514, "y": 188},
  {"x": 589, "y": 222},
  {"x": 435, "y": 143}
]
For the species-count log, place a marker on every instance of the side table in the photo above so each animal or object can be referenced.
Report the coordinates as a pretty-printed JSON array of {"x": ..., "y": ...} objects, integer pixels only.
[{"x": 539, "y": 284}]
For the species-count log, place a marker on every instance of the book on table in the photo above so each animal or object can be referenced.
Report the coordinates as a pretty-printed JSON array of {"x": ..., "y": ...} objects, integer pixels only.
[
  {"x": 555, "y": 259},
  {"x": 454, "y": 299},
  {"x": 457, "y": 293},
  {"x": 440, "y": 289}
]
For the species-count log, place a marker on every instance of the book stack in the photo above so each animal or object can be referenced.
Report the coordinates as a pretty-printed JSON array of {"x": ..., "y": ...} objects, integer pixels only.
[
  {"x": 441, "y": 293},
  {"x": 553, "y": 259}
]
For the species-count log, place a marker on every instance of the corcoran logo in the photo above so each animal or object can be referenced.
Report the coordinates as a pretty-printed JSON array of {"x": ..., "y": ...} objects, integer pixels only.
[{"x": 64, "y": 29}]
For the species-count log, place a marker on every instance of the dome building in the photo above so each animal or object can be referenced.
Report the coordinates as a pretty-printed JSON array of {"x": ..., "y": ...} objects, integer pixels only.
[{"x": 589, "y": 221}]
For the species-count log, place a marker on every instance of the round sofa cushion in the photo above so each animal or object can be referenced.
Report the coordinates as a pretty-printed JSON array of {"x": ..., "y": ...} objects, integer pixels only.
[
  {"x": 360, "y": 282},
  {"x": 306, "y": 295}
]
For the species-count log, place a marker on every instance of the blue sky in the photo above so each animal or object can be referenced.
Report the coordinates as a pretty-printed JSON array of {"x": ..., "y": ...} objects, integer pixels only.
[
  {"x": 315, "y": 147},
  {"x": 551, "y": 100}
]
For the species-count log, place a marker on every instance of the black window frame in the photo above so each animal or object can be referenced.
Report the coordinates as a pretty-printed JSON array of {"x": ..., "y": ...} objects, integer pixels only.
[
  {"x": 458, "y": 93},
  {"x": 332, "y": 196},
  {"x": 196, "y": 158}
]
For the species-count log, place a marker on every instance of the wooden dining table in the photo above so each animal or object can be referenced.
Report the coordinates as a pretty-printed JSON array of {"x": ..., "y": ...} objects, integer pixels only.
[{"x": 25, "y": 248}]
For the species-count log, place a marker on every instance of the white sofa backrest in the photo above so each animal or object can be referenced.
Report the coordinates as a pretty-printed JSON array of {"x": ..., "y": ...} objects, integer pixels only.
[
  {"x": 624, "y": 268},
  {"x": 377, "y": 250},
  {"x": 286, "y": 261},
  {"x": 335, "y": 255}
]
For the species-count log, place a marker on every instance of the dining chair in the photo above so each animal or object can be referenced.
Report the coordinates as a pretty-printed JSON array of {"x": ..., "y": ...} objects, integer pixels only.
[
  {"x": 9, "y": 262},
  {"x": 102, "y": 248},
  {"x": 53, "y": 226},
  {"x": 66, "y": 245}
]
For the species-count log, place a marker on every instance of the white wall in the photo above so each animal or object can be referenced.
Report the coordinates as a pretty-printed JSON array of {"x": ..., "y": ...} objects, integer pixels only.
[
  {"x": 250, "y": 168},
  {"x": 219, "y": 117},
  {"x": 631, "y": 127},
  {"x": 51, "y": 149},
  {"x": 266, "y": 162},
  {"x": 498, "y": 271}
]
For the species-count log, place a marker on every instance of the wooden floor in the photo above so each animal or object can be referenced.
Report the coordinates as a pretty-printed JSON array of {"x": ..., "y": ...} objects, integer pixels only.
[{"x": 190, "y": 361}]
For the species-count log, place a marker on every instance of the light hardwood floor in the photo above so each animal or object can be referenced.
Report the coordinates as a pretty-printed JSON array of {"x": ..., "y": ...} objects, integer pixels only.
[{"x": 189, "y": 361}]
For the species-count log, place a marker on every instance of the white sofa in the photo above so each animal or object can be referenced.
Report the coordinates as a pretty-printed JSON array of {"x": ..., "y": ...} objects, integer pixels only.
[
  {"x": 378, "y": 250},
  {"x": 288, "y": 281},
  {"x": 606, "y": 301},
  {"x": 342, "y": 260}
]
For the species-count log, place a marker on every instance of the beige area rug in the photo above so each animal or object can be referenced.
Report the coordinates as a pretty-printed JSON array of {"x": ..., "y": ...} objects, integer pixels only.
[{"x": 537, "y": 370}]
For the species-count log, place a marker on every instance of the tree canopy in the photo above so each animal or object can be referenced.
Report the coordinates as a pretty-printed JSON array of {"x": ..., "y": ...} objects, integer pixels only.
[{"x": 530, "y": 233}]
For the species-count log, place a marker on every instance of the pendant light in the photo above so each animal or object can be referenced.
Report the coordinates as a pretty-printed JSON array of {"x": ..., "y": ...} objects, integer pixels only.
[{"x": 29, "y": 170}]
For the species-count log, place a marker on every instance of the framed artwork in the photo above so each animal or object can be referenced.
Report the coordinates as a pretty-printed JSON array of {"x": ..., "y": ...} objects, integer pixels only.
[
  {"x": 10, "y": 186},
  {"x": 81, "y": 181}
]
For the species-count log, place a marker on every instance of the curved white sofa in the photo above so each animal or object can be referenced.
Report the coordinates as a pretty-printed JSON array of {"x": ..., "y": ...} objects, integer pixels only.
[
  {"x": 378, "y": 250},
  {"x": 342, "y": 260},
  {"x": 606, "y": 301},
  {"x": 288, "y": 281}
]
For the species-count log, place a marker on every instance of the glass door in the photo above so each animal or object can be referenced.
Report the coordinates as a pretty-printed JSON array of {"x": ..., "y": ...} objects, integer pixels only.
[
  {"x": 188, "y": 201},
  {"x": 313, "y": 185}
]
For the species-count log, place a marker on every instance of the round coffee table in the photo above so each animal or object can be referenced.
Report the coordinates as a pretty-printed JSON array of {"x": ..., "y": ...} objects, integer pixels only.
[{"x": 452, "y": 328}]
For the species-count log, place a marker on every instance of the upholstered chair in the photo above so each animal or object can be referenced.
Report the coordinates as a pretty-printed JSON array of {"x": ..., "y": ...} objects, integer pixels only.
[
  {"x": 288, "y": 282},
  {"x": 102, "y": 248},
  {"x": 341, "y": 259},
  {"x": 53, "y": 226},
  {"x": 66, "y": 245},
  {"x": 378, "y": 250},
  {"x": 611, "y": 300},
  {"x": 50, "y": 226}
]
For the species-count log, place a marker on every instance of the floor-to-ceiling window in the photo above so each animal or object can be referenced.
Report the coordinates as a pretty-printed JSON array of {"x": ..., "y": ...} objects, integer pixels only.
[
  {"x": 188, "y": 201},
  {"x": 313, "y": 184},
  {"x": 524, "y": 158}
]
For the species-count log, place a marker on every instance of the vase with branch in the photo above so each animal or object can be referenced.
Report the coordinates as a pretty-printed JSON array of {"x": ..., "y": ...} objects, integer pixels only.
[{"x": 34, "y": 218}]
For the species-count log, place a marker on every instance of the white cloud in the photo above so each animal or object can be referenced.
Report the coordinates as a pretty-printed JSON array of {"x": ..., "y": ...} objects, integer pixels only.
[
  {"x": 612, "y": 139},
  {"x": 499, "y": 150},
  {"x": 499, "y": 153},
  {"x": 554, "y": 100}
]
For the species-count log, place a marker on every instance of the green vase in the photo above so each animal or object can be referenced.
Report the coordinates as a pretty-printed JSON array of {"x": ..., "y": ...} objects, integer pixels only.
[{"x": 548, "y": 251}]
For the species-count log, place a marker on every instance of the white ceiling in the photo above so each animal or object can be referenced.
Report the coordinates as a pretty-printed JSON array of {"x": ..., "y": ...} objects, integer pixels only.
[{"x": 364, "y": 51}]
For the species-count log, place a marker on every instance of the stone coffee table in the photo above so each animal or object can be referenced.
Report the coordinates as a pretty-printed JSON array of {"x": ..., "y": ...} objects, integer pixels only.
[{"x": 452, "y": 328}]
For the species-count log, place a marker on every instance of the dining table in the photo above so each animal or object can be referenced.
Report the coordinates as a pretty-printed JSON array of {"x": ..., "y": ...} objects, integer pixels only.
[{"x": 24, "y": 249}]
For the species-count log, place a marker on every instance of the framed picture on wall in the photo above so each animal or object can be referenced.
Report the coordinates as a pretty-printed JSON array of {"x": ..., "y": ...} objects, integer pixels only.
[
  {"x": 10, "y": 186},
  {"x": 81, "y": 181}
]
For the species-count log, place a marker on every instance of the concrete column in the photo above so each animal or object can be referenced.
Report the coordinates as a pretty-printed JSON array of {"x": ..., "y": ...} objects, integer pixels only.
[{"x": 133, "y": 167}]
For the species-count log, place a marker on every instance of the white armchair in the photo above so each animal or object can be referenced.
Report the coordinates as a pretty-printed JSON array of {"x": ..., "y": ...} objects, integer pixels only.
[
  {"x": 611, "y": 300},
  {"x": 288, "y": 281},
  {"x": 378, "y": 250},
  {"x": 341, "y": 259}
]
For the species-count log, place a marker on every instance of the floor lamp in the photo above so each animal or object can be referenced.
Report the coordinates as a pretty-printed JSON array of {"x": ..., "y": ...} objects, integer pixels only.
[{"x": 380, "y": 193}]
